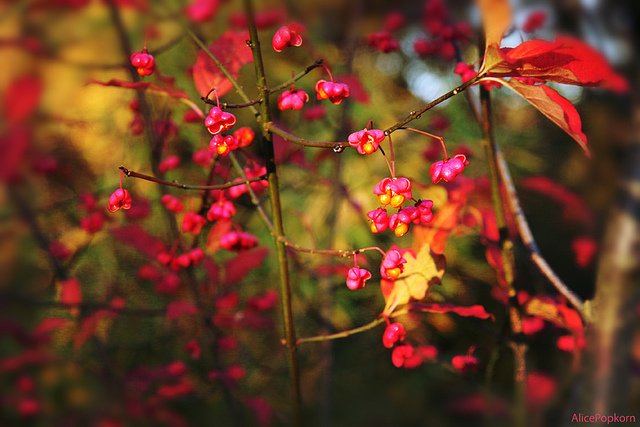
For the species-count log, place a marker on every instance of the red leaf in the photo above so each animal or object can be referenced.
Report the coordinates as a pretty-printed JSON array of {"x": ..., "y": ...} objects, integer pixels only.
[
  {"x": 574, "y": 207},
  {"x": 557, "y": 109},
  {"x": 237, "y": 268},
  {"x": 146, "y": 86},
  {"x": 358, "y": 92},
  {"x": 13, "y": 146},
  {"x": 465, "y": 311},
  {"x": 22, "y": 98},
  {"x": 89, "y": 326},
  {"x": 136, "y": 237},
  {"x": 232, "y": 51},
  {"x": 177, "y": 309},
  {"x": 565, "y": 60}
]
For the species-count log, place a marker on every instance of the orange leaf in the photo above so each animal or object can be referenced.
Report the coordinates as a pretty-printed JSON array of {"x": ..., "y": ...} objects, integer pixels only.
[
  {"x": 496, "y": 19},
  {"x": 435, "y": 233},
  {"x": 557, "y": 109},
  {"x": 232, "y": 51}
]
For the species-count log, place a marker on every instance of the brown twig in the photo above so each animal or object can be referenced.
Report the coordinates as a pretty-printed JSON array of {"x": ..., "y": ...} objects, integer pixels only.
[
  {"x": 338, "y": 146},
  {"x": 176, "y": 184}
]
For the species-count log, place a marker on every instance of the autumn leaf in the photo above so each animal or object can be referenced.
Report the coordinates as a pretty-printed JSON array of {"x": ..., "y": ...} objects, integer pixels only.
[
  {"x": 558, "y": 314},
  {"x": 565, "y": 60},
  {"x": 550, "y": 103},
  {"x": 464, "y": 311},
  {"x": 436, "y": 233},
  {"x": 420, "y": 272},
  {"x": 232, "y": 51},
  {"x": 496, "y": 19},
  {"x": 238, "y": 267},
  {"x": 145, "y": 86},
  {"x": 22, "y": 98},
  {"x": 136, "y": 237}
]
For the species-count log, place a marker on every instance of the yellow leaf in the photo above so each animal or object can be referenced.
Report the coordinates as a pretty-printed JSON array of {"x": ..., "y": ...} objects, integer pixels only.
[
  {"x": 420, "y": 273},
  {"x": 496, "y": 19}
]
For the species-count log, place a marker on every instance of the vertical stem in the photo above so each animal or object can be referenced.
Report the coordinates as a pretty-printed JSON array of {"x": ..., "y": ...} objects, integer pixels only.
[
  {"x": 276, "y": 212},
  {"x": 506, "y": 248}
]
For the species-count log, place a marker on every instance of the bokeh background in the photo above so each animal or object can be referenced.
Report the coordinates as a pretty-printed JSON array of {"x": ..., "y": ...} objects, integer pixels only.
[{"x": 123, "y": 354}]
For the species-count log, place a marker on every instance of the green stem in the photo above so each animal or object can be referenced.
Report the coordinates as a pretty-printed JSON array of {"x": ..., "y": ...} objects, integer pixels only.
[{"x": 276, "y": 212}]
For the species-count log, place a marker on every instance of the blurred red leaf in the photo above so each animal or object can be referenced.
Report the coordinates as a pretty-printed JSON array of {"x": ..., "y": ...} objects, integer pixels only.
[
  {"x": 358, "y": 92},
  {"x": 238, "y": 267},
  {"x": 574, "y": 207},
  {"x": 565, "y": 60},
  {"x": 232, "y": 51},
  {"x": 146, "y": 86},
  {"x": 89, "y": 326},
  {"x": 550, "y": 103},
  {"x": 22, "y": 98},
  {"x": 13, "y": 146},
  {"x": 436, "y": 233},
  {"x": 136, "y": 237},
  {"x": 177, "y": 309},
  {"x": 465, "y": 311}
]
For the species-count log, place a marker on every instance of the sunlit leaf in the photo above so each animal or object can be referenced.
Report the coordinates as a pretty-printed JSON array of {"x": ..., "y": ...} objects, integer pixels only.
[{"x": 420, "y": 273}]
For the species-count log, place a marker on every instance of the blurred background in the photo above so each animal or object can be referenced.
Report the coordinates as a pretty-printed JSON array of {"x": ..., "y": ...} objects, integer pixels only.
[{"x": 98, "y": 329}]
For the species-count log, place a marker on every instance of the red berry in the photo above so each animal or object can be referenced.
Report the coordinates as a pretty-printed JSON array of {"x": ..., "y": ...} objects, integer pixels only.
[
  {"x": 119, "y": 199},
  {"x": 193, "y": 223},
  {"x": 143, "y": 62},
  {"x": 380, "y": 220},
  {"x": 169, "y": 163},
  {"x": 223, "y": 144},
  {"x": 383, "y": 41},
  {"x": 172, "y": 203},
  {"x": 293, "y": 99},
  {"x": 222, "y": 209},
  {"x": 393, "y": 191},
  {"x": 392, "y": 334},
  {"x": 218, "y": 121},
  {"x": 244, "y": 136},
  {"x": 465, "y": 363},
  {"x": 287, "y": 35},
  {"x": 335, "y": 92},
  {"x": 448, "y": 169}
]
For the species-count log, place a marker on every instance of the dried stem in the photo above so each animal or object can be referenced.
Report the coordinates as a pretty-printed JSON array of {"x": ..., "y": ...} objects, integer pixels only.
[
  {"x": 176, "y": 184},
  {"x": 337, "y": 146}
]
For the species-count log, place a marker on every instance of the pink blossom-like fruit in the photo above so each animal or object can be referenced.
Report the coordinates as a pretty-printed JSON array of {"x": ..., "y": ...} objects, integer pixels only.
[
  {"x": 218, "y": 121},
  {"x": 119, "y": 199},
  {"x": 143, "y": 62},
  {"x": 293, "y": 99},
  {"x": 357, "y": 277},
  {"x": 394, "y": 333},
  {"x": 366, "y": 141},
  {"x": 392, "y": 265},
  {"x": 448, "y": 169},
  {"x": 334, "y": 92},
  {"x": 287, "y": 35}
]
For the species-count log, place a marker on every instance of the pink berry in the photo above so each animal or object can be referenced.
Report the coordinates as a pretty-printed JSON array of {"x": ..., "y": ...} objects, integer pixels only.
[
  {"x": 392, "y": 265},
  {"x": 244, "y": 136},
  {"x": 448, "y": 169},
  {"x": 465, "y": 363},
  {"x": 169, "y": 163},
  {"x": 335, "y": 92},
  {"x": 119, "y": 199},
  {"x": 143, "y": 62},
  {"x": 201, "y": 10},
  {"x": 393, "y": 191},
  {"x": 366, "y": 141},
  {"x": 380, "y": 220},
  {"x": 202, "y": 157},
  {"x": 218, "y": 121},
  {"x": 383, "y": 41},
  {"x": 357, "y": 277},
  {"x": 534, "y": 21},
  {"x": 400, "y": 354},
  {"x": 238, "y": 241},
  {"x": 172, "y": 203},
  {"x": 222, "y": 209},
  {"x": 287, "y": 35},
  {"x": 392, "y": 334},
  {"x": 293, "y": 99}
]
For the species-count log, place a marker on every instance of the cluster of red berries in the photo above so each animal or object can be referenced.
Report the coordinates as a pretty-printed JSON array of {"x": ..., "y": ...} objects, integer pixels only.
[
  {"x": 442, "y": 33},
  {"x": 384, "y": 41}
]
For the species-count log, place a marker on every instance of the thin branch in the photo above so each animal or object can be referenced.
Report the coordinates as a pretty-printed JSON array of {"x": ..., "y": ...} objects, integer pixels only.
[
  {"x": 176, "y": 184},
  {"x": 416, "y": 114},
  {"x": 337, "y": 147},
  {"x": 295, "y": 78},
  {"x": 252, "y": 195},
  {"x": 527, "y": 236},
  {"x": 349, "y": 332},
  {"x": 226, "y": 105}
]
